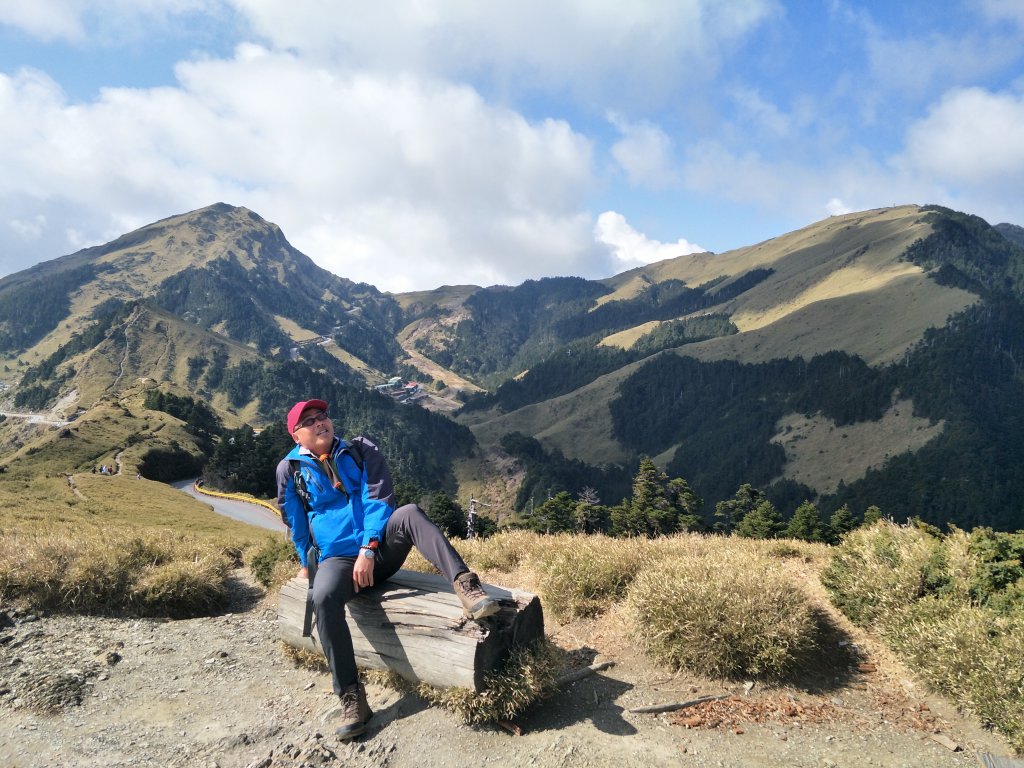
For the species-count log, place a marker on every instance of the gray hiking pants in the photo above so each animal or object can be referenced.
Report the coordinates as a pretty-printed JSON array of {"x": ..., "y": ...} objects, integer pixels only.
[{"x": 407, "y": 527}]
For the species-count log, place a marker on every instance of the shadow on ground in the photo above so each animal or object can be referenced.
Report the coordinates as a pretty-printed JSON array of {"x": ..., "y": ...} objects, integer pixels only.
[
  {"x": 828, "y": 665},
  {"x": 592, "y": 698}
]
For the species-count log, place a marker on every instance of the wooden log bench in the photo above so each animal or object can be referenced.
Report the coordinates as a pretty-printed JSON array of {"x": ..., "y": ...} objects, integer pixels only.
[{"x": 413, "y": 624}]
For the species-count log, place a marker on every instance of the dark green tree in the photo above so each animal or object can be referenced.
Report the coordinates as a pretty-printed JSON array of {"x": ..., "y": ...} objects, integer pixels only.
[
  {"x": 686, "y": 505},
  {"x": 763, "y": 522},
  {"x": 556, "y": 515},
  {"x": 592, "y": 518},
  {"x": 806, "y": 524},
  {"x": 447, "y": 514},
  {"x": 730, "y": 513},
  {"x": 840, "y": 524},
  {"x": 872, "y": 515}
]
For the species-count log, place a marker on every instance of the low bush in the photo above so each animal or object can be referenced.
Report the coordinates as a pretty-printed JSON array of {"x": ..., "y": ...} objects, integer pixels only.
[
  {"x": 881, "y": 570},
  {"x": 503, "y": 552},
  {"x": 721, "y": 613},
  {"x": 268, "y": 564},
  {"x": 582, "y": 575},
  {"x": 145, "y": 574},
  {"x": 528, "y": 676},
  {"x": 949, "y": 605}
]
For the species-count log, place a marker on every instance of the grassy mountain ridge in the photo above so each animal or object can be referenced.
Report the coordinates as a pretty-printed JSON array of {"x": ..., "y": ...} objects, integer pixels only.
[
  {"x": 724, "y": 367},
  {"x": 218, "y": 305},
  {"x": 881, "y": 287}
]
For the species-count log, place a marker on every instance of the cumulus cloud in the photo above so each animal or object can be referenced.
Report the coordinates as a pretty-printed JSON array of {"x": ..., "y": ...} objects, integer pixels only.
[
  {"x": 971, "y": 137},
  {"x": 837, "y": 207},
  {"x": 397, "y": 180},
  {"x": 644, "y": 152},
  {"x": 624, "y": 51},
  {"x": 634, "y": 249}
]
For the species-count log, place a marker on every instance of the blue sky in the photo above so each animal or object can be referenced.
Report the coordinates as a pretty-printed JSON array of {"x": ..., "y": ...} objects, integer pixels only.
[{"x": 412, "y": 144}]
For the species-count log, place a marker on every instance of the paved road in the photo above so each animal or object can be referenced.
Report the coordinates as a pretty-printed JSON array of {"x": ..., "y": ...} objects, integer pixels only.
[
  {"x": 253, "y": 514},
  {"x": 35, "y": 418}
]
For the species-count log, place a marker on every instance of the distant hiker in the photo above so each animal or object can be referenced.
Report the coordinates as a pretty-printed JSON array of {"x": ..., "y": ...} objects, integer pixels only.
[
  {"x": 336, "y": 497},
  {"x": 103, "y": 469}
]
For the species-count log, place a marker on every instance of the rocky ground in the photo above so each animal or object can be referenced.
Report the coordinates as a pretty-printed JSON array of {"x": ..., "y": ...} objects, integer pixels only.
[{"x": 219, "y": 691}]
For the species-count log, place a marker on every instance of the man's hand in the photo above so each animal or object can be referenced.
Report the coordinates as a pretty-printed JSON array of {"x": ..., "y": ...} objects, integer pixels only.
[
  {"x": 303, "y": 573},
  {"x": 362, "y": 572}
]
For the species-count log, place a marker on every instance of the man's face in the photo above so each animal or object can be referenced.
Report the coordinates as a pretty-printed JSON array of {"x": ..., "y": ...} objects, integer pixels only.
[{"x": 314, "y": 432}]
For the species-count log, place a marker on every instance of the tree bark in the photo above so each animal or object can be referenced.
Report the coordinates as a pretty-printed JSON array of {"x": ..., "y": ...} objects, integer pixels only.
[{"x": 413, "y": 624}]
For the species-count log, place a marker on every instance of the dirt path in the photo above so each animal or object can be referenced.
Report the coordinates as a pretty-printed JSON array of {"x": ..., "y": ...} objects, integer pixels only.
[{"x": 218, "y": 691}]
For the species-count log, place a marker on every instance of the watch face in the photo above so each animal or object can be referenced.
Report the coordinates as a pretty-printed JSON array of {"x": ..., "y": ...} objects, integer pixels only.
[{"x": 368, "y": 554}]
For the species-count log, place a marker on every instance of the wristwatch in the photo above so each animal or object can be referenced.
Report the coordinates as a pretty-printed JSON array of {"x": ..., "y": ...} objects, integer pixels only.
[{"x": 369, "y": 550}]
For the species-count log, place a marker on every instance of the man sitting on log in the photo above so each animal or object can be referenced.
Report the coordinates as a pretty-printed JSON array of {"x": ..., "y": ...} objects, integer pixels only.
[{"x": 336, "y": 497}]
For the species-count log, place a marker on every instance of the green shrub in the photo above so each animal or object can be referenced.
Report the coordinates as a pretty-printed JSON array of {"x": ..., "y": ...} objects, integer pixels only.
[
  {"x": 580, "y": 575},
  {"x": 527, "y": 676},
  {"x": 264, "y": 563},
  {"x": 880, "y": 570},
  {"x": 722, "y": 613}
]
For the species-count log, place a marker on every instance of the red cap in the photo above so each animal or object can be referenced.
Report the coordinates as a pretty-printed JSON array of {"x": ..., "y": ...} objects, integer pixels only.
[{"x": 296, "y": 412}]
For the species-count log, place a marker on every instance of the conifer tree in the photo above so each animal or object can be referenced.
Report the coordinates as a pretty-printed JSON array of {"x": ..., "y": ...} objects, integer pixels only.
[
  {"x": 730, "y": 513},
  {"x": 763, "y": 522},
  {"x": 871, "y": 515},
  {"x": 556, "y": 515},
  {"x": 447, "y": 515},
  {"x": 592, "y": 518},
  {"x": 840, "y": 524},
  {"x": 686, "y": 505},
  {"x": 806, "y": 524}
]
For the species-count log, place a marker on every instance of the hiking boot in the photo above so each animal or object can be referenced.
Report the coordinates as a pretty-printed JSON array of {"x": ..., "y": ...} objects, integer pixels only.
[
  {"x": 355, "y": 712},
  {"x": 475, "y": 601}
]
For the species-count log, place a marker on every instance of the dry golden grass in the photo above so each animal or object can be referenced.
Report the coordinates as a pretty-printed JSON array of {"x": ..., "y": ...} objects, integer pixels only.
[
  {"x": 528, "y": 676},
  {"x": 820, "y": 454},
  {"x": 722, "y": 612},
  {"x": 149, "y": 574},
  {"x": 90, "y": 543},
  {"x": 581, "y": 575},
  {"x": 880, "y": 571},
  {"x": 914, "y": 589}
]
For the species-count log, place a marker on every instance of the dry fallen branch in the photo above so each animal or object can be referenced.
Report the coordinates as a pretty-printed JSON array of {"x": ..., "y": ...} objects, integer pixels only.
[
  {"x": 577, "y": 674},
  {"x": 657, "y": 708}
]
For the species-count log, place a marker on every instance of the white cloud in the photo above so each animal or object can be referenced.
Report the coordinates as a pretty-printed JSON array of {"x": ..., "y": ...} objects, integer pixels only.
[
  {"x": 837, "y": 207},
  {"x": 624, "y": 51},
  {"x": 400, "y": 181},
  {"x": 632, "y": 248},
  {"x": 765, "y": 116},
  {"x": 44, "y": 19},
  {"x": 645, "y": 153},
  {"x": 1004, "y": 10},
  {"x": 973, "y": 138}
]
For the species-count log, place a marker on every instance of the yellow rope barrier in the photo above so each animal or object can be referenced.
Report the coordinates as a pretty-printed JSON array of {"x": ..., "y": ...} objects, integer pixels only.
[{"x": 237, "y": 497}]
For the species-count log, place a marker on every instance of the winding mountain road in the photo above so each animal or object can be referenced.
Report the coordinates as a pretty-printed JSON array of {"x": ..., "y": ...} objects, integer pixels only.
[
  {"x": 253, "y": 514},
  {"x": 35, "y": 418}
]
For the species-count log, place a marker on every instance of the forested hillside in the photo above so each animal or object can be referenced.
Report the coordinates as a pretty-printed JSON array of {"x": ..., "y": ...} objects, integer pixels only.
[{"x": 703, "y": 363}]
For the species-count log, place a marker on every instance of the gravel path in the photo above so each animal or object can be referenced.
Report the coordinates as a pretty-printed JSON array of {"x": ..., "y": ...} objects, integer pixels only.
[{"x": 218, "y": 691}]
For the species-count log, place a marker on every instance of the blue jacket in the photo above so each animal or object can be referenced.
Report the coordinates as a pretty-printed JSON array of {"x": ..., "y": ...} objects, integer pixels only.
[{"x": 342, "y": 521}]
